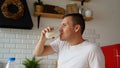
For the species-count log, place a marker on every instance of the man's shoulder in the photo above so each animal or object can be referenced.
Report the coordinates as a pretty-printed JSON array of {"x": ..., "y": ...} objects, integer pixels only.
[{"x": 91, "y": 45}]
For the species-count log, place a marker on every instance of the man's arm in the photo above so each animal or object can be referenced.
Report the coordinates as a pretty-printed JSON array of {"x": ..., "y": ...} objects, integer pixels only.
[
  {"x": 41, "y": 49},
  {"x": 96, "y": 58}
]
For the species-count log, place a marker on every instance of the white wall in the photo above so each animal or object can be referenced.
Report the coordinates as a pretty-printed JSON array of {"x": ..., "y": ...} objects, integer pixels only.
[
  {"x": 102, "y": 30},
  {"x": 106, "y": 20}
]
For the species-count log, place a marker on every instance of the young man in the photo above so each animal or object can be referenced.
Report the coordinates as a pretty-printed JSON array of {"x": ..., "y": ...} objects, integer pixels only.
[{"x": 73, "y": 51}]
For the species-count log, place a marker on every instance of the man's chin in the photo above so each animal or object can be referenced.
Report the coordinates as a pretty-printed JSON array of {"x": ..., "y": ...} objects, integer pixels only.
[{"x": 62, "y": 39}]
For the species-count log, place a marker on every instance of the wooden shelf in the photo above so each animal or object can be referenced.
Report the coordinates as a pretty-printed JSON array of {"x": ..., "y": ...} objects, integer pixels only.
[
  {"x": 81, "y": 0},
  {"x": 50, "y": 15},
  {"x": 88, "y": 18}
]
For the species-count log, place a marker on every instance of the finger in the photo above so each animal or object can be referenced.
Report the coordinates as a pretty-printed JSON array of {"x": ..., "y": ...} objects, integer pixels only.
[
  {"x": 43, "y": 32},
  {"x": 50, "y": 28},
  {"x": 46, "y": 30}
]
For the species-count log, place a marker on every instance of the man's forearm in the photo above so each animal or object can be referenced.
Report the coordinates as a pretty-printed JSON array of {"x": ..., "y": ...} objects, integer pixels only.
[{"x": 39, "y": 47}]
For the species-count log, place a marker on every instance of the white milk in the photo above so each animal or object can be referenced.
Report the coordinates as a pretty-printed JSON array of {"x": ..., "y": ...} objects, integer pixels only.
[{"x": 53, "y": 34}]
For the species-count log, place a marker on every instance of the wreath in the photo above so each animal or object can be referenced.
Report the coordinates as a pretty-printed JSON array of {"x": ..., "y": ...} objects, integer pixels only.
[{"x": 10, "y": 15}]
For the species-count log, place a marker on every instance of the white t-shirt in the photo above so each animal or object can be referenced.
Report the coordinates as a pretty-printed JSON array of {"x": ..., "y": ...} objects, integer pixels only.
[{"x": 83, "y": 55}]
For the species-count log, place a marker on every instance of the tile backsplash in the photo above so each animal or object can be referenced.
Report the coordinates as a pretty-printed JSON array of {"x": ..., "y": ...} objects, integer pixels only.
[{"x": 20, "y": 44}]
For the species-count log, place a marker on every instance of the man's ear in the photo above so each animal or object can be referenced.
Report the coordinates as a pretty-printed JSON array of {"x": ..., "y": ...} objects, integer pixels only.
[{"x": 77, "y": 28}]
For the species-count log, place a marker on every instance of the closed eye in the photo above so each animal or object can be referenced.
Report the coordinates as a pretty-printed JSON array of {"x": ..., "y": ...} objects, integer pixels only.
[{"x": 64, "y": 24}]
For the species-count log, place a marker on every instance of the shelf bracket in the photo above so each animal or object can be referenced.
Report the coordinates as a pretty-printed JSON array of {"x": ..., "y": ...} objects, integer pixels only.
[
  {"x": 38, "y": 20},
  {"x": 82, "y": 2}
]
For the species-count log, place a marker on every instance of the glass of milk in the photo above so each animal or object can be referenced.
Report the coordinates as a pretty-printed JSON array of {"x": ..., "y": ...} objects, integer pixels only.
[{"x": 53, "y": 34}]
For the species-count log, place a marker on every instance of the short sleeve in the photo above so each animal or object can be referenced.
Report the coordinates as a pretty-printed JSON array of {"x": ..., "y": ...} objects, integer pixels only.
[
  {"x": 96, "y": 58},
  {"x": 55, "y": 45}
]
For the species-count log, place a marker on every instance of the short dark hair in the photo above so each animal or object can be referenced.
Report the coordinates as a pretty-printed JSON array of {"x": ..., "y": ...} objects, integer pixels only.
[{"x": 77, "y": 20}]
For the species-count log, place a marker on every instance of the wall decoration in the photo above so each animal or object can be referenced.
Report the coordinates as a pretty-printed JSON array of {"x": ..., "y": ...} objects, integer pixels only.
[
  {"x": 15, "y": 14},
  {"x": 71, "y": 8}
]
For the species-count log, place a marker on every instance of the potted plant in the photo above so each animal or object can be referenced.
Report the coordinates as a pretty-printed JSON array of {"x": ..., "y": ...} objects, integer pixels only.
[
  {"x": 38, "y": 6},
  {"x": 33, "y": 63}
]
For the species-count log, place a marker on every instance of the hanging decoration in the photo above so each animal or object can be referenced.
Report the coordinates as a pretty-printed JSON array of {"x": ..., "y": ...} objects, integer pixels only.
[
  {"x": 87, "y": 13},
  {"x": 15, "y": 14},
  {"x": 12, "y": 3}
]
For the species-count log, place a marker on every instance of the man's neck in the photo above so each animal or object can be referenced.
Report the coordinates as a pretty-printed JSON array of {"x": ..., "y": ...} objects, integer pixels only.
[{"x": 75, "y": 41}]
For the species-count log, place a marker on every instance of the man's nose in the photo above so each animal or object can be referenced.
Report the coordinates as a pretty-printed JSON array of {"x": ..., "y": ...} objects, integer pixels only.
[{"x": 60, "y": 28}]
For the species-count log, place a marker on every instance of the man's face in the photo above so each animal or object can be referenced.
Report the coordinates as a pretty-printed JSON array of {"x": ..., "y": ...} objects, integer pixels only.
[{"x": 66, "y": 29}]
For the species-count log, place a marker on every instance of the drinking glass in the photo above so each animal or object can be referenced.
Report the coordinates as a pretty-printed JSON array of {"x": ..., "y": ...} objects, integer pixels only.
[{"x": 53, "y": 34}]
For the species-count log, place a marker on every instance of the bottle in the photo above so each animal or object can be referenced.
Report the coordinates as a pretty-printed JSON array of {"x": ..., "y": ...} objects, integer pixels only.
[{"x": 10, "y": 63}]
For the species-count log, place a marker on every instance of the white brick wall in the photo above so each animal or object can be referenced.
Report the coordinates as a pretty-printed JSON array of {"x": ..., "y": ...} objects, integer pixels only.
[{"x": 20, "y": 43}]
